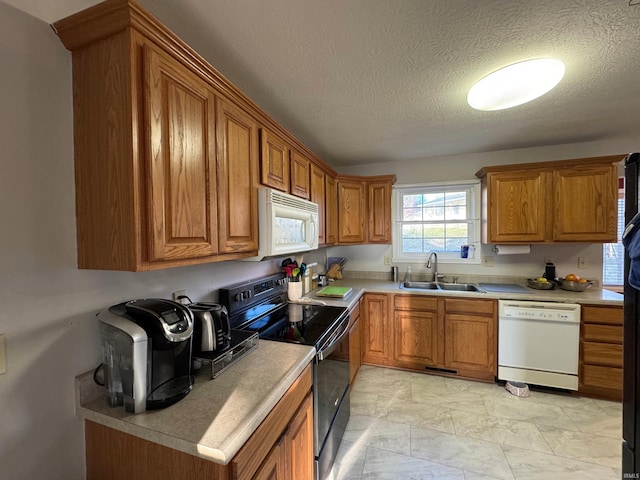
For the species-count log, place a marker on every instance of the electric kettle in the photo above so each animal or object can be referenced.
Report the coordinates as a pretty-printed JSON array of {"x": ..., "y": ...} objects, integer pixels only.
[{"x": 211, "y": 329}]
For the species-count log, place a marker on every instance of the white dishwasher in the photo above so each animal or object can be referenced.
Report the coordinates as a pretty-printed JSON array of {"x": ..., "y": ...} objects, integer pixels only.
[{"x": 538, "y": 343}]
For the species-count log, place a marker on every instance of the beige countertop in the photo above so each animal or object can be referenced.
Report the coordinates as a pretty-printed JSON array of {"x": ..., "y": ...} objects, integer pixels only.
[
  {"x": 218, "y": 416},
  {"x": 593, "y": 295}
]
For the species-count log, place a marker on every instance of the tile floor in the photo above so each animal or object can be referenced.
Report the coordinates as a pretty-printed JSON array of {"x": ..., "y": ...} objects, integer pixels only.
[{"x": 413, "y": 426}]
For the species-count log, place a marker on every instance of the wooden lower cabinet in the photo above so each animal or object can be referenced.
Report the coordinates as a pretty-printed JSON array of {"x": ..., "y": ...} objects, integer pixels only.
[
  {"x": 281, "y": 448},
  {"x": 446, "y": 335},
  {"x": 600, "y": 366},
  {"x": 376, "y": 329}
]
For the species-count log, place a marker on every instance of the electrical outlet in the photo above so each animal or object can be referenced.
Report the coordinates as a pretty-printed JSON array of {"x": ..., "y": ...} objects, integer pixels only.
[
  {"x": 3, "y": 354},
  {"x": 177, "y": 294},
  {"x": 489, "y": 261},
  {"x": 387, "y": 260},
  {"x": 583, "y": 262}
]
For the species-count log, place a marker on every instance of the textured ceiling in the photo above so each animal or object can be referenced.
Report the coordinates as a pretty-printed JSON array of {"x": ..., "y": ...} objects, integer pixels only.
[{"x": 363, "y": 81}]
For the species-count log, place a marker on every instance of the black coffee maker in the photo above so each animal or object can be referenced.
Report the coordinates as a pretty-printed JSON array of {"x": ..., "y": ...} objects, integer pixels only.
[{"x": 147, "y": 353}]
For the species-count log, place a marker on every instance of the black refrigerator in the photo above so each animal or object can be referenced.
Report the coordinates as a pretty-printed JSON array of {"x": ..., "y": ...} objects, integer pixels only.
[{"x": 631, "y": 371}]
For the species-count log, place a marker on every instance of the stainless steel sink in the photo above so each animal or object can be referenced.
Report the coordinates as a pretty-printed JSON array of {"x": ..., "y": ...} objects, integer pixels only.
[
  {"x": 458, "y": 287},
  {"x": 422, "y": 285}
]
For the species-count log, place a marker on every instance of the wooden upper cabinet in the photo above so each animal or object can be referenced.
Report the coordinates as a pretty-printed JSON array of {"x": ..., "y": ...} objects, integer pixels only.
[
  {"x": 300, "y": 176},
  {"x": 331, "y": 212},
  {"x": 274, "y": 161},
  {"x": 379, "y": 211},
  {"x": 352, "y": 207},
  {"x": 237, "y": 134},
  {"x": 317, "y": 195},
  {"x": 565, "y": 201},
  {"x": 585, "y": 203},
  {"x": 516, "y": 210},
  {"x": 180, "y": 113}
]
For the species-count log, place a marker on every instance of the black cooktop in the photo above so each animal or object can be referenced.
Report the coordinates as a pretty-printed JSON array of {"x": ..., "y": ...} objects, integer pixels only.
[{"x": 295, "y": 323}]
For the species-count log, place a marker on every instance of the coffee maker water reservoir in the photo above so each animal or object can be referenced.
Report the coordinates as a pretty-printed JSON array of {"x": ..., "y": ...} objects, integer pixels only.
[{"x": 146, "y": 348}]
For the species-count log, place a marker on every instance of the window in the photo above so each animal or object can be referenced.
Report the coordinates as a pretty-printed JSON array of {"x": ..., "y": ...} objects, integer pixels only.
[
  {"x": 613, "y": 253},
  {"x": 436, "y": 218}
]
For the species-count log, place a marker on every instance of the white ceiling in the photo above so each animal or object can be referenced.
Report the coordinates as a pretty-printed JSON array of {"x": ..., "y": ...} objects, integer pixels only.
[{"x": 363, "y": 81}]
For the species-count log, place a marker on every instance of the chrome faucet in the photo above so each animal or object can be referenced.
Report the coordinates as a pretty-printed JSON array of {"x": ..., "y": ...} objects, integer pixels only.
[{"x": 433, "y": 255}]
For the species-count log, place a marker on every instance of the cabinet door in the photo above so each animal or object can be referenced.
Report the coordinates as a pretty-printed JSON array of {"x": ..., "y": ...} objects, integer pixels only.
[
  {"x": 180, "y": 111},
  {"x": 379, "y": 212},
  {"x": 376, "y": 343},
  {"x": 300, "y": 166},
  {"x": 585, "y": 204},
  {"x": 416, "y": 337},
  {"x": 331, "y": 213},
  {"x": 516, "y": 210},
  {"x": 237, "y": 134},
  {"x": 274, "y": 161},
  {"x": 351, "y": 211},
  {"x": 317, "y": 195},
  {"x": 470, "y": 342},
  {"x": 274, "y": 466},
  {"x": 299, "y": 443}
]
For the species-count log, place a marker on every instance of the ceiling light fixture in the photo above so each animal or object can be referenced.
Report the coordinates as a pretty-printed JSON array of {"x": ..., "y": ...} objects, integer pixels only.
[{"x": 516, "y": 84}]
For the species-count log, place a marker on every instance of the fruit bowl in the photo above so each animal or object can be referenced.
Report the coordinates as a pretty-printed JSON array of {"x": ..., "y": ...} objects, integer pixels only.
[
  {"x": 533, "y": 283},
  {"x": 574, "y": 286}
]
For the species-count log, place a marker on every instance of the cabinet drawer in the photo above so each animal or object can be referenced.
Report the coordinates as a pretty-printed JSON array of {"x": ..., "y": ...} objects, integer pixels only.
[
  {"x": 607, "y": 315},
  {"x": 601, "y": 377},
  {"x": 415, "y": 302},
  {"x": 602, "y": 354},
  {"x": 602, "y": 333},
  {"x": 465, "y": 305}
]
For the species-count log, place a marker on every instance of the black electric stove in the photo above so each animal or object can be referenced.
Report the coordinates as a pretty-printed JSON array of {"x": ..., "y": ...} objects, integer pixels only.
[{"x": 261, "y": 306}]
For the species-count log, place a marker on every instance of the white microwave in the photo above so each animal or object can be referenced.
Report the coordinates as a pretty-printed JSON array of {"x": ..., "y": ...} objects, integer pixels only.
[{"x": 287, "y": 224}]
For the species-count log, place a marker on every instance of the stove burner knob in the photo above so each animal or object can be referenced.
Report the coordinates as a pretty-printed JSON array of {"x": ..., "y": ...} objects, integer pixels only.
[
  {"x": 247, "y": 294},
  {"x": 238, "y": 297}
]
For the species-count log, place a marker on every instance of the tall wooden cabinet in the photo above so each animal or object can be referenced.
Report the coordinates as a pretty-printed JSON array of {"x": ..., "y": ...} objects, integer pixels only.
[
  {"x": 547, "y": 202},
  {"x": 159, "y": 136}
]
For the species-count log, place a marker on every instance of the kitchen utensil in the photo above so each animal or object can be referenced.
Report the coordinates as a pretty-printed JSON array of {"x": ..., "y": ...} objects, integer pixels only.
[
  {"x": 533, "y": 283},
  {"x": 574, "y": 286}
]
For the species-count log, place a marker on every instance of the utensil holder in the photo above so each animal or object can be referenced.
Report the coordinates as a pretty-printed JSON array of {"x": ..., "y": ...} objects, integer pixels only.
[{"x": 294, "y": 291}]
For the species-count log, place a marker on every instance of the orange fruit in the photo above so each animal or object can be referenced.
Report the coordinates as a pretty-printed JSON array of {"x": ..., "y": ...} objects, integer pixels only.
[
  {"x": 582, "y": 280},
  {"x": 572, "y": 277}
]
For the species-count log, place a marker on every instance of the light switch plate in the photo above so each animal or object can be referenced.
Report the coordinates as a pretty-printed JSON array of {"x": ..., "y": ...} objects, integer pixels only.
[{"x": 3, "y": 354}]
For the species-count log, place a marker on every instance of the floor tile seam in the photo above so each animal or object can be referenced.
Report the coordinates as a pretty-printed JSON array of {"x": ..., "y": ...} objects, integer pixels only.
[
  {"x": 432, "y": 461},
  {"x": 559, "y": 455},
  {"x": 582, "y": 432}
]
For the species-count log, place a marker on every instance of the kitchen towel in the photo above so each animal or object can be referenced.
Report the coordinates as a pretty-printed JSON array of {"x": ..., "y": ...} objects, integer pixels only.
[{"x": 512, "y": 249}]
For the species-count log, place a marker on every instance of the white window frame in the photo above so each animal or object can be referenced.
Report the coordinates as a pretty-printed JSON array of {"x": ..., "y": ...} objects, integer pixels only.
[{"x": 473, "y": 220}]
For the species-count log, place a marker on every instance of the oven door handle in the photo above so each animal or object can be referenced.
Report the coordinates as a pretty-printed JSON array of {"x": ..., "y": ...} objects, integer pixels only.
[{"x": 332, "y": 343}]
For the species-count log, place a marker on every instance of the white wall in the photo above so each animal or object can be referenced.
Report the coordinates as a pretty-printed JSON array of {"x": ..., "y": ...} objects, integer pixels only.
[{"x": 464, "y": 167}]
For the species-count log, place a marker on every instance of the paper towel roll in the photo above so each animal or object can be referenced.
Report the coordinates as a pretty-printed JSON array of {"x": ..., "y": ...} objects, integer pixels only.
[{"x": 512, "y": 249}]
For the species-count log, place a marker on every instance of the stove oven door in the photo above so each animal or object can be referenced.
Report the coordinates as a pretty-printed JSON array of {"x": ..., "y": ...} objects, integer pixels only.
[{"x": 331, "y": 397}]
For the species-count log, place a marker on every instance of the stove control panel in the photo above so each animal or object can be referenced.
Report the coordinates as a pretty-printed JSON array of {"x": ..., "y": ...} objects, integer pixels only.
[{"x": 243, "y": 295}]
